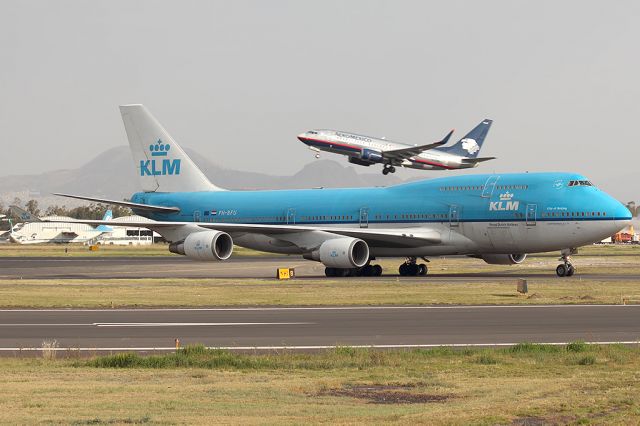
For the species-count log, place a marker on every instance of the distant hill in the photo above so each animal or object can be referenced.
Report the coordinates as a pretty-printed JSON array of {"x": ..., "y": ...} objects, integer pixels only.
[{"x": 111, "y": 175}]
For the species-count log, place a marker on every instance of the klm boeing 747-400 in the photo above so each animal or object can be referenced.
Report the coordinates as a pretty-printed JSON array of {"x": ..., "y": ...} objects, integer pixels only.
[
  {"x": 499, "y": 218},
  {"x": 366, "y": 150}
]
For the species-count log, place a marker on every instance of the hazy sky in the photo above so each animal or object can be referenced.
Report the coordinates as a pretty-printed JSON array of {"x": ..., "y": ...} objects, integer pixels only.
[{"x": 238, "y": 80}]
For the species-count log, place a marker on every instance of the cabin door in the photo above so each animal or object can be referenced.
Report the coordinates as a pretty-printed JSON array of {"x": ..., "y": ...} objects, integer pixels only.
[
  {"x": 291, "y": 216},
  {"x": 196, "y": 215},
  {"x": 532, "y": 211},
  {"x": 454, "y": 216},
  {"x": 364, "y": 217}
]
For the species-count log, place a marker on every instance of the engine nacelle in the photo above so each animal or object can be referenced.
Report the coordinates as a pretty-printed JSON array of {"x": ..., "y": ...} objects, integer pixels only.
[
  {"x": 371, "y": 155},
  {"x": 205, "y": 245},
  {"x": 359, "y": 162},
  {"x": 342, "y": 253},
  {"x": 504, "y": 259}
]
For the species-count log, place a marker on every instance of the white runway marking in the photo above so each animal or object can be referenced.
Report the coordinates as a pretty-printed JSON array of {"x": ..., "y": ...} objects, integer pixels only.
[
  {"x": 189, "y": 324},
  {"x": 154, "y": 324}
]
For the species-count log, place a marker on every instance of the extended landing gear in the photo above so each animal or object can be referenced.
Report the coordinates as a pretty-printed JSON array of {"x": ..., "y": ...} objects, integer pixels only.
[
  {"x": 365, "y": 271},
  {"x": 566, "y": 269},
  {"x": 411, "y": 268},
  {"x": 388, "y": 168}
]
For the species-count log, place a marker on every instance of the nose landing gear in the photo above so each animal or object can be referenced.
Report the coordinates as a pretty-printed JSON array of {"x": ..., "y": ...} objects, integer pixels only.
[
  {"x": 388, "y": 168},
  {"x": 566, "y": 269}
]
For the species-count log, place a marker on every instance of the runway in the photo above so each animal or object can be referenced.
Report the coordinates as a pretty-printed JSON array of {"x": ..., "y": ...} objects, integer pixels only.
[
  {"x": 52, "y": 268},
  {"x": 317, "y": 327}
]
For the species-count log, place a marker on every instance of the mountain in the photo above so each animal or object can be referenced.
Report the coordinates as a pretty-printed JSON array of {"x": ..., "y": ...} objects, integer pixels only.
[{"x": 111, "y": 175}]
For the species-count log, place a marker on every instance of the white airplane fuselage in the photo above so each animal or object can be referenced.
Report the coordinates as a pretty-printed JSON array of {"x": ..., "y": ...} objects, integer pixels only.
[{"x": 357, "y": 148}]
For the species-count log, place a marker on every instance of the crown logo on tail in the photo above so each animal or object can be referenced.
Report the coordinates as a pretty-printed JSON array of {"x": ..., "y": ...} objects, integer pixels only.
[{"x": 159, "y": 149}]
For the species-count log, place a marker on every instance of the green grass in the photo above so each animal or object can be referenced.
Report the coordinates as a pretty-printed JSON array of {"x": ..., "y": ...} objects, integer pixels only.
[{"x": 548, "y": 384}]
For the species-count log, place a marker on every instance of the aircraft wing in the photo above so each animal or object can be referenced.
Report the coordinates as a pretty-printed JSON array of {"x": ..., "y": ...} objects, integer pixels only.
[
  {"x": 137, "y": 206},
  {"x": 398, "y": 237},
  {"x": 406, "y": 153}
]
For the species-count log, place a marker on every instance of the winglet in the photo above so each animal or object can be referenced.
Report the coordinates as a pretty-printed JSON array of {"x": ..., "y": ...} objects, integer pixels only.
[{"x": 446, "y": 138}]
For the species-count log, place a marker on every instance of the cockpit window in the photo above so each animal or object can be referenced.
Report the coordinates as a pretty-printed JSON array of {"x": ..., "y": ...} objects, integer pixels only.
[
  {"x": 313, "y": 132},
  {"x": 580, "y": 183}
]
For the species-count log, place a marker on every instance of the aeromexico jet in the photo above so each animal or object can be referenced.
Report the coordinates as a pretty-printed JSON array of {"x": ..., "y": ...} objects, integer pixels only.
[
  {"x": 366, "y": 150},
  {"x": 499, "y": 217}
]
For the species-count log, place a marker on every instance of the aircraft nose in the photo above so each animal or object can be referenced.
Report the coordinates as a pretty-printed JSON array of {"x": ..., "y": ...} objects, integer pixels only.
[
  {"x": 621, "y": 214},
  {"x": 302, "y": 137}
]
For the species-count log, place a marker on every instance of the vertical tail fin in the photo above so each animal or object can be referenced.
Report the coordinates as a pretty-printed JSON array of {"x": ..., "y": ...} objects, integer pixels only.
[
  {"x": 469, "y": 146},
  {"x": 108, "y": 215},
  {"x": 161, "y": 164},
  {"x": 23, "y": 215}
]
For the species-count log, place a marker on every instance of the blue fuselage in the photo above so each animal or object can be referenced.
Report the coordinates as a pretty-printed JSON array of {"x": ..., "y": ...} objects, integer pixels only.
[{"x": 473, "y": 206}]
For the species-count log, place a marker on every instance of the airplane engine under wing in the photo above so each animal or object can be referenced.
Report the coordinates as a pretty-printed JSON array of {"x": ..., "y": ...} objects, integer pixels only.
[
  {"x": 342, "y": 253},
  {"x": 504, "y": 259},
  {"x": 371, "y": 155},
  {"x": 205, "y": 245}
]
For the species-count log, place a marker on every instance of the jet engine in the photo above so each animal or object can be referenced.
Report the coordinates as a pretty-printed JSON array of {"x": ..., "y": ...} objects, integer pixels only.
[
  {"x": 504, "y": 259},
  {"x": 359, "y": 162},
  {"x": 342, "y": 253},
  {"x": 371, "y": 155},
  {"x": 205, "y": 245}
]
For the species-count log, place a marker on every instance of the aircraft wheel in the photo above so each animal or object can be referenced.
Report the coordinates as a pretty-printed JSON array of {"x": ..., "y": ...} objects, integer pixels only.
[
  {"x": 366, "y": 271},
  {"x": 392, "y": 169},
  {"x": 403, "y": 270},
  {"x": 422, "y": 269},
  {"x": 385, "y": 171},
  {"x": 570, "y": 270},
  {"x": 414, "y": 269},
  {"x": 561, "y": 270},
  {"x": 377, "y": 270}
]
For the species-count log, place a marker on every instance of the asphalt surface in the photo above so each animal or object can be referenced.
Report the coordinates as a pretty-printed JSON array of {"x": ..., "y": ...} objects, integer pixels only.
[
  {"x": 236, "y": 267},
  {"x": 309, "y": 328}
]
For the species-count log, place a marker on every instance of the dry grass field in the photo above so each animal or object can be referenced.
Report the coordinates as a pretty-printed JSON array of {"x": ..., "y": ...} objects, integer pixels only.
[{"x": 523, "y": 385}]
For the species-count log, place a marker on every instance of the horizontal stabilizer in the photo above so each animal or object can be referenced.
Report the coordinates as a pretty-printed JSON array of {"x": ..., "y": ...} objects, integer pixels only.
[
  {"x": 135, "y": 206},
  {"x": 476, "y": 160}
]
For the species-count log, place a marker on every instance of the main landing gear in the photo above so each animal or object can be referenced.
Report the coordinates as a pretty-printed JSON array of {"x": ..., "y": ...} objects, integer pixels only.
[
  {"x": 410, "y": 268},
  {"x": 366, "y": 271},
  {"x": 388, "y": 168},
  {"x": 566, "y": 269}
]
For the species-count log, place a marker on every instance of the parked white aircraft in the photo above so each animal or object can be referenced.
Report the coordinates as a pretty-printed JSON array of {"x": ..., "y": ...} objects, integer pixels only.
[{"x": 34, "y": 230}]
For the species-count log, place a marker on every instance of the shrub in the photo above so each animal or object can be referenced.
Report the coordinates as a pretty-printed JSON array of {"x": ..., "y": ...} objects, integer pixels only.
[{"x": 578, "y": 346}]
